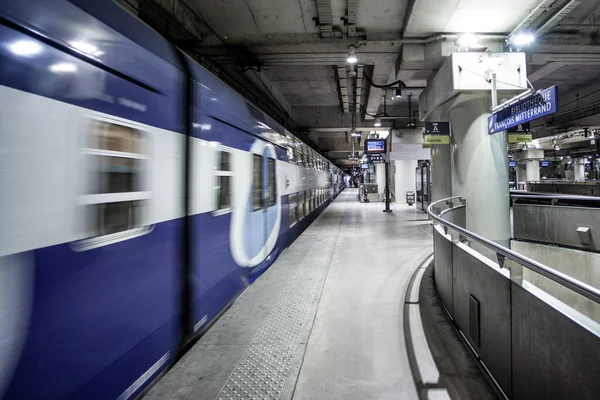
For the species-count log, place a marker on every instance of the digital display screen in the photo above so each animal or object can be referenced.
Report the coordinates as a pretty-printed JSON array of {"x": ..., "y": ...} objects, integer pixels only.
[
  {"x": 375, "y": 146},
  {"x": 512, "y": 163},
  {"x": 545, "y": 163},
  {"x": 364, "y": 166}
]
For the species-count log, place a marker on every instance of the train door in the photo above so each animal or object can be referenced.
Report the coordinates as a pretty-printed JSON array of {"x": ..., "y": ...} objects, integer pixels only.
[
  {"x": 257, "y": 219},
  {"x": 264, "y": 207},
  {"x": 270, "y": 201}
]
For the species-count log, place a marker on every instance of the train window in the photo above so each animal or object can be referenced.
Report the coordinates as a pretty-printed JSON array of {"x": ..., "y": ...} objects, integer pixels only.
[
  {"x": 307, "y": 202},
  {"x": 293, "y": 200},
  {"x": 291, "y": 155},
  {"x": 223, "y": 177},
  {"x": 116, "y": 196},
  {"x": 257, "y": 186},
  {"x": 271, "y": 192}
]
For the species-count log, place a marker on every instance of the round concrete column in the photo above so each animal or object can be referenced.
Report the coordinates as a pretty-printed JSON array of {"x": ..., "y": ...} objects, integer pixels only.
[
  {"x": 521, "y": 173},
  {"x": 441, "y": 172},
  {"x": 533, "y": 170},
  {"x": 480, "y": 170},
  {"x": 404, "y": 179},
  {"x": 380, "y": 178},
  {"x": 579, "y": 169}
]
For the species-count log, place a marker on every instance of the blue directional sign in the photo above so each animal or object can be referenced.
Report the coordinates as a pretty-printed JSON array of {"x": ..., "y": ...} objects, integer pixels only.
[{"x": 538, "y": 105}]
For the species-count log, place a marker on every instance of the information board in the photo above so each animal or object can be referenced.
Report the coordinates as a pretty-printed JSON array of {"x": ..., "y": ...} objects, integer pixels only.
[
  {"x": 375, "y": 146},
  {"x": 540, "y": 104},
  {"x": 519, "y": 134},
  {"x": 437, "y": 133}
]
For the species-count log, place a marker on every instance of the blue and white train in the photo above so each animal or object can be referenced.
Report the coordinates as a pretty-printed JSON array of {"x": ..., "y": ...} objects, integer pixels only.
[{"x": 139, "y": 195}]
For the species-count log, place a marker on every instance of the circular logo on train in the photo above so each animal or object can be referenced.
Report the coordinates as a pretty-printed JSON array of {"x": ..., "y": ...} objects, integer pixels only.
[{"x": 256, "y": 215}]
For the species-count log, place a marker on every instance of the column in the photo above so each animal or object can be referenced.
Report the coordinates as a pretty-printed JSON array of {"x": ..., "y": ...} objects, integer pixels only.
[
  {"x": 480, "y": 170},
  {"x": 533, "y": 170},
  {"x": 441, "y": 172},
  {"x": 380, "y": 179},
  {"x": 405, "y": 179},
  {"x": 521, "y": 175},
  {"x": 579, "y": 169}
]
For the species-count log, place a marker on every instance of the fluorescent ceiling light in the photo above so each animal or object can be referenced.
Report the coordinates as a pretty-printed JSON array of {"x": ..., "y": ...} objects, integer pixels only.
[
  {"x": 355, "y": 134},
  {"x": 25, "y": 48},
  {"x": 377, "y": 122},
  {"x": 351, "y": 59},
  {"x": 60, "y": 68},
  {"x": 522, "y": 39},
  {"x": 468, "y": 40}
]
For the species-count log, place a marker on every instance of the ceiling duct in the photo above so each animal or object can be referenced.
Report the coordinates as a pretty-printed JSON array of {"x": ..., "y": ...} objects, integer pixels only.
[
  {"x": 351, "y": 17},
  {"x": 343, "y": 88},
  {"x": 556, "y": 18}
]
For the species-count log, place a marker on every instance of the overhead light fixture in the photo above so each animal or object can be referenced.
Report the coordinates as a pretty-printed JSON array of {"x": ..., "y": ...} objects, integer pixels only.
[
  {"x": 355, "y": 134},
  {"x": 468, "y": 40},
  {"x": 351, "y": 59},
  {"x": 522, "y": 39},
  {"x": 25, "y": 48},
  {"x": 377, "y": 121},
  {"x": 398, "y": 92},
  {"x": 556, "y": 147}
]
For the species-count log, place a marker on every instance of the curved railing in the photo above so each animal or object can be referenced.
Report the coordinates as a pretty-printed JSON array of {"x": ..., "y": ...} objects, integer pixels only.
[
  {"x": 521, "y": 335},
  {"x": 562, "y": 279}
]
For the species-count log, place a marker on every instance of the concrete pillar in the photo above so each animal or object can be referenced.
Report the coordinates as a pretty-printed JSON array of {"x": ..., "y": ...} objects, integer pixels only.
[
  {"x": 521, "y": 174},
  {"x": 380, "y": 179},
  {"x": 480, "y": 170},
  {"x": 579, "y": 169},
  {"x": 405, "y": 179},
  {"x": 441, "y": 172},
  {"x": 533, "y": 170}
]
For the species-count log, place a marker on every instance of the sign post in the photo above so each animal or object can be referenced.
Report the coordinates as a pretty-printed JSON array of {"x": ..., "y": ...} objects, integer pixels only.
[{"x": 387, "y": 186}]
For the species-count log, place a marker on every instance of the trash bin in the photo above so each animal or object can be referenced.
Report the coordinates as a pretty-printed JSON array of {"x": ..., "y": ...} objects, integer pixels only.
[{"x": 410, "y": 198}]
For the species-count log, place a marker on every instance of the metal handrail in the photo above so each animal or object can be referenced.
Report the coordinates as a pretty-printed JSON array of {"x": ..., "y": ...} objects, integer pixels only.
[
  {"x": 502, "y": 252},
  {"x": 555, "y": 196}
]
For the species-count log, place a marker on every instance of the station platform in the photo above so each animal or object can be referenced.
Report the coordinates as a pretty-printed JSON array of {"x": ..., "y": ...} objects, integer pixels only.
[{"x": 335, "y": 317}]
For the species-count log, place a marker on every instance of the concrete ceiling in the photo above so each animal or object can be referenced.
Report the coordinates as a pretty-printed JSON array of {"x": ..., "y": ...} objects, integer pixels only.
[{"x": 292, "y": 52}]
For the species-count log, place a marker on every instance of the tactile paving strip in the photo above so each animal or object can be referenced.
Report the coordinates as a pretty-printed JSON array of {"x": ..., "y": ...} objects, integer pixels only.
[{"x": 264, "y": 367}]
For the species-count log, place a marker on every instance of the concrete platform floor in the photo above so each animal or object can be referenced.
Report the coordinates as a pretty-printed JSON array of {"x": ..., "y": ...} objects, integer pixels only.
[{"x": 326, "y": 321}]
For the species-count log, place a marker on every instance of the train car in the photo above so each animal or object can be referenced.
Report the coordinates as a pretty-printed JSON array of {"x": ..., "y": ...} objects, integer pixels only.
[{"x": 139, "y": 196}]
